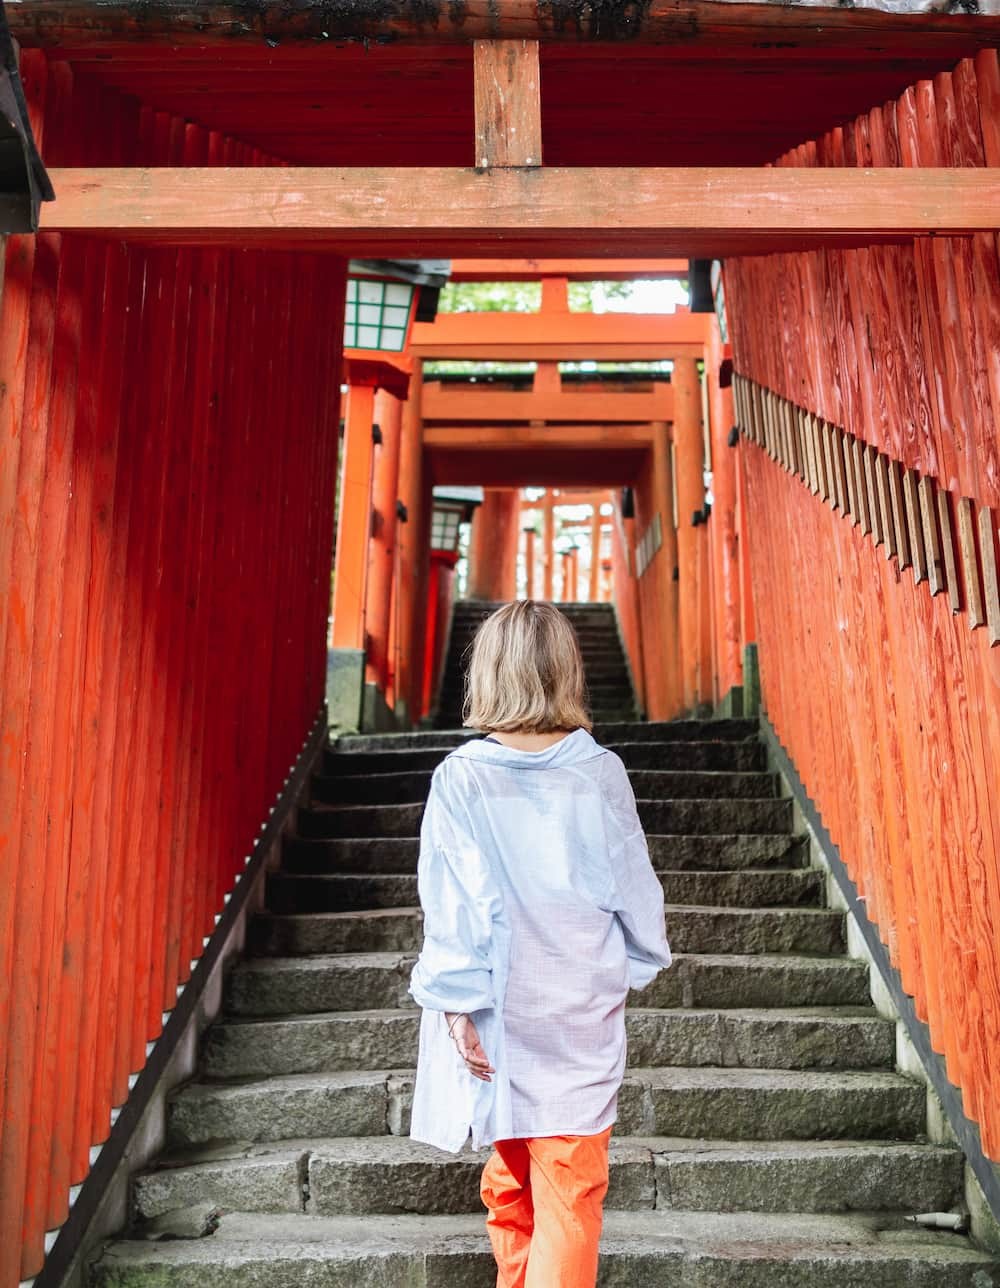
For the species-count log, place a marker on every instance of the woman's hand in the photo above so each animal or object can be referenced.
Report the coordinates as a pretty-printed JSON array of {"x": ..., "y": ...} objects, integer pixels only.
[{"x": 466, "y": 1038}]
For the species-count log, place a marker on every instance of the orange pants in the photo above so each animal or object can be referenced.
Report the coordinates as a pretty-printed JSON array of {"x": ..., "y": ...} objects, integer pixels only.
[{"x": 545, "y": 1198}]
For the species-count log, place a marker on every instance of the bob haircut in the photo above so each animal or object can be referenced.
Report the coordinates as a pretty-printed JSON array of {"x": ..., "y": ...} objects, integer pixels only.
[{"x": 526, "y": 672}]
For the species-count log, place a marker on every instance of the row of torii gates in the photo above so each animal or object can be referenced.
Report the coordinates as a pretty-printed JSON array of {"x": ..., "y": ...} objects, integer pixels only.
[{"x": 654, "y": 437}]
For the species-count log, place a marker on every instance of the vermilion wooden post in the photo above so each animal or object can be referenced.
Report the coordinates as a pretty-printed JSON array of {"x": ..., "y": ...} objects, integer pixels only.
[
  {"x": 15, "y": 320},
  {"x": 593, "y": 589},
  {"x": 659, "y": 621},
  {"x": 20, "y": 703},
  {"x": 354, "y": 524},
  {"x": 407, "y": 641},
  {"x": 388, "y": 416},
  {"x": 529, "y": 562},
  {"x": 76, "y": 364},
  {"x": 548, "y": 539},
  {"x": 100, "y": 705},
  {"x": 722, "y": 524},
  {"x": 689, "y": 456}
]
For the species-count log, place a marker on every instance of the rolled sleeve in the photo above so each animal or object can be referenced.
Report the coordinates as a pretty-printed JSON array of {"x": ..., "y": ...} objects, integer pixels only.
[{"x": 459, "y": 901}]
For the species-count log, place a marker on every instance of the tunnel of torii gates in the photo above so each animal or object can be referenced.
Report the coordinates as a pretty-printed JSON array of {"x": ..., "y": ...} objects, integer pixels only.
[{"x": 171, "y": 359}]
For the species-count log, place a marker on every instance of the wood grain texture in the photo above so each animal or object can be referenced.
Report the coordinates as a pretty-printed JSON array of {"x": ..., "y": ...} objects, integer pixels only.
[
  {"x": 898, "y": 345},
  {"x": 167, "y": 569},
  {"x": 53, "y": 23},
  {"x": 507, "y": 83},
  {"x": 991, "y": 572},
  {"x": 726, "y": 209},
  {"x": 946, "y": 528},
  {"x": 970, "y": 563}
]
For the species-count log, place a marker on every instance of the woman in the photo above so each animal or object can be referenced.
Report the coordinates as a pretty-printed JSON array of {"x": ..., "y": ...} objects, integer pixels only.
[{"x": 541, "y": 910}]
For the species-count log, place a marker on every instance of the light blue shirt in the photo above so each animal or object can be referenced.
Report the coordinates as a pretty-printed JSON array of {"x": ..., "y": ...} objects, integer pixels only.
[{"x": 541, "y": 910}]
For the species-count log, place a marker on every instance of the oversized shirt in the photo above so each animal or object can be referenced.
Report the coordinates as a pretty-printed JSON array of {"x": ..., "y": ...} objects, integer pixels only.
[{"x": 541, "y": 910}]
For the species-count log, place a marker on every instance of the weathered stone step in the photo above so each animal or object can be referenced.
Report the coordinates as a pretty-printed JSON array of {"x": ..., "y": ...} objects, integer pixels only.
[
  {"x": 746, "y": 757},
  {"x": 696, "y": 1103},
  {"x": 356, "y": 1103},
  {"x": 344, "y": 891},
  {"x": 368, "y": 981},
  {"x": 670, "y": 853},
  {"x": 694, "y": 817},
  {"x": 691, "y": 930},
  {"x": 789, "y": 1038},
  {"x": 387, "y": 1174},
  {"x": 412, "y": 786},
  {"x": 663, "y": 1249},
  {"x": 623, "y": 731}
]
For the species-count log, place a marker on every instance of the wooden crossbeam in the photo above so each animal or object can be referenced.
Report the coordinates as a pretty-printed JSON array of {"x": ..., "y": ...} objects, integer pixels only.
[
  {"x": 569, "y": 438},
  {"x": 578, "y": 270},
  {"x": 708, "y": 24},
  {"x": 508, "y": 103},
  {"x": 513, "y": 337},
  {"x": 588, "y": 211},
  {"x": 479, "y": 403}
]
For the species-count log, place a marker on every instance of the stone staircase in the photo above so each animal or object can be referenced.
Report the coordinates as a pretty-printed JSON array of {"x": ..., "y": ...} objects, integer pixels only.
[
  {"x": 608, "y": 684},
  {"x": 764, "y": 1137}
]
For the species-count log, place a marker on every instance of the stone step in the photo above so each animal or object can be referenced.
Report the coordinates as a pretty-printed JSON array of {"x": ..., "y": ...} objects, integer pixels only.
[
  {"x": 727, "y": 852},
  {"x": 660, "y": 1249},
  {"x": 745, "y": 757},
  {"x": 412, "y": 786},
  {"x": 393, "y": 1174},
  {"x": 690, "y": 929},
  {"x": 368, "y": 981},
  {"x": 351, "y": 891},
  {"x": 693, "y": 817},
  {"x": 788, "y": 1038},
  {"x": 625, "y": 731},
  {"x": 464, "y": 629},
  {"x": 708, "y": 1103}
]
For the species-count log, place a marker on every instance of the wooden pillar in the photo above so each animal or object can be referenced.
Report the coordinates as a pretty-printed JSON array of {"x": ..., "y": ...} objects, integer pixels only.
[
  {"x": 722, "y": 525},
  {"x": 412, "y": 541},
  {"x": 549, "y": 543},
  {"x": 593, "y": 591},
  {"x": 354, "y": 525},
  {"x": 566, "y": 560},
  {"x": 662, "y": 652},
  {"x": 425, "y": 622},
  {"x": 529, "y": 563},
  {"x": 690, "y": 463},
  {"x": 493, "y": 546},
  {"x": 748, "y": 624},
  {"x": 382, "y": 549}
]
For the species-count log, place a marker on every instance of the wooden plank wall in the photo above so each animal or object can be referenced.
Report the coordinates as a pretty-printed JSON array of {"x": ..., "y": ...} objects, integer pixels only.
[
  {"x": 871, "y": 386},
  {"x": 168, "y": 436}
]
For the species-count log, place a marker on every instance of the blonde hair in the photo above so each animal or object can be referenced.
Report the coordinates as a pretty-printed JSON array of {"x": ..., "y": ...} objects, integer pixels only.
[{"x": 526, "y": 673}]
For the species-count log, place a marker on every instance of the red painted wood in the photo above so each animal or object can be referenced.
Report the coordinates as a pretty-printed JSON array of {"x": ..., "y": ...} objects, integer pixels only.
[
  {"x": 165, "y": 521},
  {"x": 883, "y": 696}
]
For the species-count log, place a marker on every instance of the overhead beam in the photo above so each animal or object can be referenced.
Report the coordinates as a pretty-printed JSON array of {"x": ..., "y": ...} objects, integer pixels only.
[
  {"x": 406, "y": 212},
  {"x": 574, "y": 270},
  {"x": 566, "y": 337},
  {"x": 909, "y": 25},
  {"x": 479, "y": 403},
  {"x": 508, "y": 103},
  {"x": 485, "y": 438}
]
